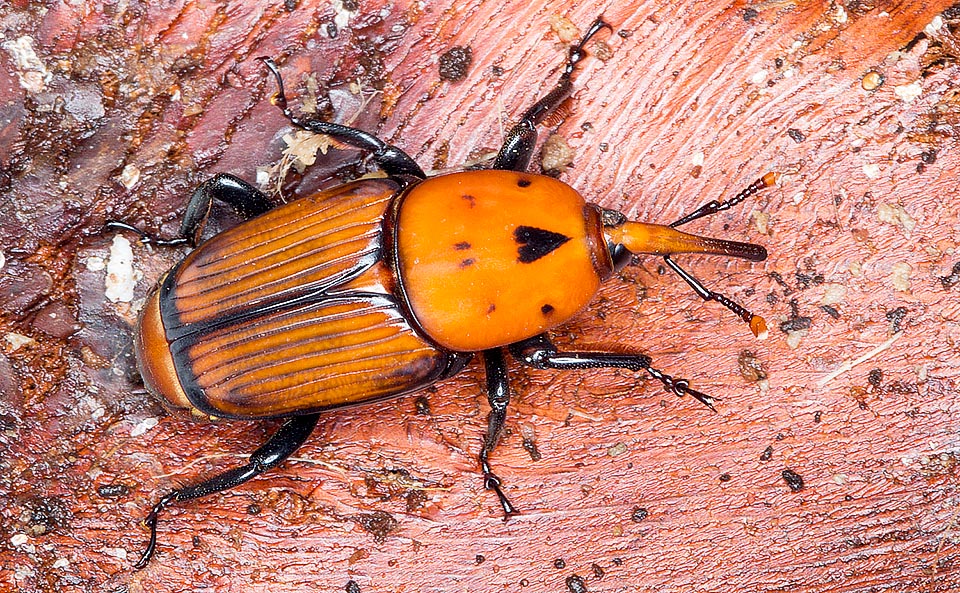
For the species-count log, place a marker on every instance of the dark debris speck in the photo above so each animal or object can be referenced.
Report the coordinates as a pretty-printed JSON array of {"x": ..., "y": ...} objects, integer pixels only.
[
  {"x": 895, "y": 317},
  {"x": 831, "y": 311},
  {"x": 455, "y": 63},
  {"x": 575, "y": 584},
  {"x": 953, "y": 278},
  {"x": 793, "y": 480}
]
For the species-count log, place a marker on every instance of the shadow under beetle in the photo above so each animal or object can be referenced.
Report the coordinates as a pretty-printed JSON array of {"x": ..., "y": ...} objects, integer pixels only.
[{"x": 385, "y": 286}]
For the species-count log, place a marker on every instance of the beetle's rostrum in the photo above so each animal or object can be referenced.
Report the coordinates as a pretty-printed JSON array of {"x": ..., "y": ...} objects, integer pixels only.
[{"x": 385, "y": 286}]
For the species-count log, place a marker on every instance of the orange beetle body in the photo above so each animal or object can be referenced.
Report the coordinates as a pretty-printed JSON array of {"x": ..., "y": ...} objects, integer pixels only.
[{"x": 368, "y": 290}]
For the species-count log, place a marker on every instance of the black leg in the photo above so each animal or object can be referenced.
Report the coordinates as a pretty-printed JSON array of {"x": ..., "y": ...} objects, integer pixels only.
[
  {"x": 516, "y": 151},
  {"x": 288, "y": 438},
  {"x": 247, "y": 200},
  {"x": 539, "y": 352},
  {"x": 498, "y": 394},
  {"x": 390, "y": 158}
]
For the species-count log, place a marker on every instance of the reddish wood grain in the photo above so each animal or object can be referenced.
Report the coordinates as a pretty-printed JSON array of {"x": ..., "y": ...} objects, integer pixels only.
[{"x": 632, "y": 489}]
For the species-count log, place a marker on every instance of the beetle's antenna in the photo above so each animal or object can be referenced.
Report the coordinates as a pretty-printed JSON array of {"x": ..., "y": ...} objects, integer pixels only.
[
  {"x": 713, "y": 206},
  {"x": 757, "y": 324},
  {"x": 666, "y": 241}
]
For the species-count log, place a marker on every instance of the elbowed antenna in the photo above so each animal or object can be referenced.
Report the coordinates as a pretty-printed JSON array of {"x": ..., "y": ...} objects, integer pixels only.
[{"x": 665, "y": 241}]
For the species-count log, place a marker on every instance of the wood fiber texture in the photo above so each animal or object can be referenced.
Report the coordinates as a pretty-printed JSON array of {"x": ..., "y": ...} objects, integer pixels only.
[{"x": 116, "y": 110}]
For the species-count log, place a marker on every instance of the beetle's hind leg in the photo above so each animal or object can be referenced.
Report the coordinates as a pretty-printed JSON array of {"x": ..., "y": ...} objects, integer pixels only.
[
  {"x": 288, "y": 438},
  {"x": 247, "y": 200},
  {"x": 539, "y": 352},
  {"x": 498, "y": 395},
  {"x": 390, "y": 158},
  {"x": 518, "y": 148}
]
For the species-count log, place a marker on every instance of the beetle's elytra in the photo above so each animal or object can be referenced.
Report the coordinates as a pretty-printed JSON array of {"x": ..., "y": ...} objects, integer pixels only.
[{"x": 384, "y": 286}]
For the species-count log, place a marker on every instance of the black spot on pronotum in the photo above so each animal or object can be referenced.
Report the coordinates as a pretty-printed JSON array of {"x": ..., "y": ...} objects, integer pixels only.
[
  {"x": 491, "y": 308},
  {"x": 472, "y": 200},
  {"x": 546, "y": 309},
  {"x": 462, "y": 246},
  {"x": 536, "y": 243},
  {"x": 467, "y": 262},
  {"x": 524, "y": 182}
]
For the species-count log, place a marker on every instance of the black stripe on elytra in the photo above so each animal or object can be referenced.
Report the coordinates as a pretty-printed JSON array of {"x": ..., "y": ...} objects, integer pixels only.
[
  {"x": 535, "y": 243},
  {"x": 180, "y": 347},
  {"x": 181, "y": 336}
]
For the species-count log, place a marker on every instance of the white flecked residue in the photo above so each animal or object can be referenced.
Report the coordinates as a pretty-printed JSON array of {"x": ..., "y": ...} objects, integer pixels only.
[{"x": 121, "y": 277}]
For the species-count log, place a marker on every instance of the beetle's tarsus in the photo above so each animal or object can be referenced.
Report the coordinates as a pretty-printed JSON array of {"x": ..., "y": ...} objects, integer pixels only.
[
  {"x": 683, "y": 388},
  {"x": 577, "y": 52},
  {"x": 388, "y": 157},
  {"x": 145, "y": 237},
  {"x": 492, "y": 482},
  {"x": 151, "y": 522}
]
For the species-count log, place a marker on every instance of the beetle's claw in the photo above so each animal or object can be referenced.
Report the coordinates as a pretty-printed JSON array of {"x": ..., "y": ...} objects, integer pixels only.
[
  {"x": 151, "y": 522},
  {"x": 145, "y": 237},
  {"x": 280, "y": 97},
  {"x": 682, "y": 387},
  {"x": 492, "y": 482}
]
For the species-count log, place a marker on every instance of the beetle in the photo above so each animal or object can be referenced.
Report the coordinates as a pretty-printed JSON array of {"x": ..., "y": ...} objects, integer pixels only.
[{"x": 384, "y": 286}]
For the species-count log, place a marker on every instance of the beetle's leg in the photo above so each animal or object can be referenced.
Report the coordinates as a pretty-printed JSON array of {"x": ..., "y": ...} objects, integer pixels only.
[
  {"x": 247, "y": 200},
  {"x": 518, "y": 148},
  {"x": 498, "y": 394},
  {"x": 288, "y": 438},
  {"x": 390, "y": 158},
  {"x": 539, "y": 352},
  {"x": 757, "y": 324},
  {"x": 714, "y": 206}
]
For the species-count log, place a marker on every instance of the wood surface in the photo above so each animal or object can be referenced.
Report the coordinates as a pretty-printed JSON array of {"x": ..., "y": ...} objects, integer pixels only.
[{"x": 622, "y": 487}]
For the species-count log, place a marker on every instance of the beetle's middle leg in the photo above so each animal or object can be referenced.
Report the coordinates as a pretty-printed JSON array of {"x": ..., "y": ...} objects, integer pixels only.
[
  {"x": 539, "y": 352},
  {"x": 498, "y": 395},
  {"x": 518, "y": 148},
  {"x": 288, "y": 438},
  {"x": 247, "y": 200}
]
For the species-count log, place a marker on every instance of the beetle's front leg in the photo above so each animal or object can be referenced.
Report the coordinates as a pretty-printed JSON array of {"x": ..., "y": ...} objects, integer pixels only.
[
  {"x": 518, "y": 147},
  {"x": 284, "y": 443},
  {"x": 539, "y": 352},
  {"x": 498, "y": 395},
  {"x": 247, "y": 200},
  {"x": 390, "y": 158}
]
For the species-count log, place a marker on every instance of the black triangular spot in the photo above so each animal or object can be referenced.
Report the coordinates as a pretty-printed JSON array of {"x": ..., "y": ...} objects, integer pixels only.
[{"x": 536, "y": 243}]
